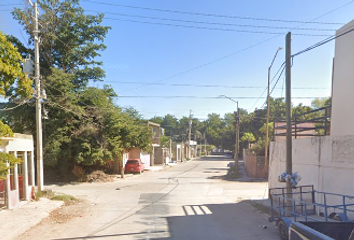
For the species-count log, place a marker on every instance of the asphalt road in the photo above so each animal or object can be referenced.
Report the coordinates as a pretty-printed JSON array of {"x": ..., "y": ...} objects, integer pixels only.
[{"x": 188, "y": 201}]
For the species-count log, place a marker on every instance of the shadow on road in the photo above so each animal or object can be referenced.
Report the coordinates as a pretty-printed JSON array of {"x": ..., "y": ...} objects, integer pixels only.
[
  {"x": 217, "y": 158},
  {"x": 219, "y": 221}
]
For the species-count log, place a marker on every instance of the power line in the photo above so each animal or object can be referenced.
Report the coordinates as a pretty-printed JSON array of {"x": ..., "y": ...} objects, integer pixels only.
[
  {"x": 234, "y": 53},
  {"x": 203, "y": 65},
  {"x": 212, "y": 23},
  {"x": 198, "y": 97},
  {"x": 208, "y": 14},
  {"x": 213, "y": 28},
  {"x": 9, "y": 109},
  {"x": 275, "y": 84},
  {"x": 316, "y": 45},
  {"x": 323, "y": 42},
  {"x": 202, "y": 85},
  {"x": 3, "y": 5},
  {"x": 281, "y": 67}
]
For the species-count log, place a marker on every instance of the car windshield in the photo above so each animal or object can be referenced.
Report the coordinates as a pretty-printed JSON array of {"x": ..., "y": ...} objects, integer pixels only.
[{"x": 133, "y": 162}]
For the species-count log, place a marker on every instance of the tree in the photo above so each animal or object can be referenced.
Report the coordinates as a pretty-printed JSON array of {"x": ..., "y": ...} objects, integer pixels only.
[
  {"x": 229, "y": 136},
  {"x": 70, "y": 39},
  {"x": 13, "y": 82},
  {"x": 248, "y": 137},
  {"x": 157, "y": 120},
  {"x": 321, "y": 102},
  {"x": 5, "y": 158},
  {"x": 170, "y": 124},
  {"x": 214, "y": 129}
]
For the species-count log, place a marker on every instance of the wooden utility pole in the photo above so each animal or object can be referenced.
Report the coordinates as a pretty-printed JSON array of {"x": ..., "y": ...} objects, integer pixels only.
[{"x": 288, "y": 109}]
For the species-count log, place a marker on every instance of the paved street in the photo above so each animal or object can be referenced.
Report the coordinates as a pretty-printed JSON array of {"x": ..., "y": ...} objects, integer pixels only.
[{"x": 187, "y": 201}]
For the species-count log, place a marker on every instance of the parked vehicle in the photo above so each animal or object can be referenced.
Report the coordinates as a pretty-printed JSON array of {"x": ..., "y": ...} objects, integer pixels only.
[
  {"x": 304, "y": 204},
  {"x": 321, "y": 230},
  {"x": 134, "y": 166}
]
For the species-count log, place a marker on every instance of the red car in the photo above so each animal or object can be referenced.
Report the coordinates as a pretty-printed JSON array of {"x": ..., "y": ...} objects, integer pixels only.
[{"x": 134, "y": 166}]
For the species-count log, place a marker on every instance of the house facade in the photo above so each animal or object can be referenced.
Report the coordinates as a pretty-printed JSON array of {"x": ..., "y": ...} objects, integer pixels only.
[
  {"x": 327, "y": 162},
  {"x": 20, "y": 181}
]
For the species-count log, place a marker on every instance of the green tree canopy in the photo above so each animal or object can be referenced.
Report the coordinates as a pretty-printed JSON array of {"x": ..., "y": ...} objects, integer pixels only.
[
  {"x": 5, "y": 158},
  {"x": 248, "y": 138},
  {"x": 13, "y": 82},
  {"x": 70, "y": 39}
]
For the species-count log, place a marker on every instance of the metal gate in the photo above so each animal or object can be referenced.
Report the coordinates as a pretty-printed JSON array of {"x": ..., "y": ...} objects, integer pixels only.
[{"x": 2, "y": 194}]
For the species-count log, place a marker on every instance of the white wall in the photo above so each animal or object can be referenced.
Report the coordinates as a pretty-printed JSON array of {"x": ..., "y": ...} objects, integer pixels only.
[
  {"x": 21, "y": 142},
  {"x": 326, "y": 162},
  {"x": 145, "y": 158},
  {"x": 343, "y": 84}
]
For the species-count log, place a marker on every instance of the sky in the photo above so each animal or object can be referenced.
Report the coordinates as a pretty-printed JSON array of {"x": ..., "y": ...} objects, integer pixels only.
[{"x": 173, "y": 57}]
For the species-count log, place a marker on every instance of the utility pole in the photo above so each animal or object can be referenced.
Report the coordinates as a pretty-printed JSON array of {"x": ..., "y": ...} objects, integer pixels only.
[
  {"x": 205, "y": 150},
  {"x": 267, "y": 122},
  {"x": 170, "y": 148},
  {"x": 39, "y": 140},
  {"x": 189, "y": 133},
  {"x": 288, "y": 109},
  {"x": 237, "y": 117}
]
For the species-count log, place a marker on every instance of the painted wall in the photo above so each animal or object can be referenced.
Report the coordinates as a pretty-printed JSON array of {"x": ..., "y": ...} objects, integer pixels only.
[
  {"x": 326, "y": 162},
  {"x": 145, "y": 158},
  {"x": 22, "y": 143},
  {"x": 343, "y": 84}
]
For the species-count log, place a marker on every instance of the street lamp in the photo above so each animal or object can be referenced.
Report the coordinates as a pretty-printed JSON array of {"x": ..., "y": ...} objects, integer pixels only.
[
  {"x": 267, "y": 123},
  {"x": 237, "y": 117}
]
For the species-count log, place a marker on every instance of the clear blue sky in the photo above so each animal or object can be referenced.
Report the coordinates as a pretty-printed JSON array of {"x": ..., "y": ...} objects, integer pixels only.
[{"x": 139, "y": 53}]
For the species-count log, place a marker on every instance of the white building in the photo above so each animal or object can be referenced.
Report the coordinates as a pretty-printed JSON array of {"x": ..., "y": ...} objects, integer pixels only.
[
  {"x": 326, "y": 162},
  {"x": 343, "y": 83},
  {"x": 20, "y": 183}
]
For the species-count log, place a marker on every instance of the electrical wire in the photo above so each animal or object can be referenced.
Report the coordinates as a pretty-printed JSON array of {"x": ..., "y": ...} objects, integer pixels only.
[
  {"x": 316, "y": 45},
  {"x": 201, "y": 85},
  {"x": 280, "y": 68},
  {"x": 232, "y": 54},
  {"x": 270, "y": 93},
  {"x": 323, "y": 42},
  {"x": 198, "y": 97},
  {"x": 9, "y": 109},
  {"x": 208, "y": 14},
  {"x": 19, "y": 4},
  {"x": 212, "y": 23},
  {"x": 213, "y": 28}
]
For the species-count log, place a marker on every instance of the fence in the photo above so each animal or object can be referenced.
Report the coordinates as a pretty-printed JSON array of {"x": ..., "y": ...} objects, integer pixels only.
[{"x": 313, "y": 123}]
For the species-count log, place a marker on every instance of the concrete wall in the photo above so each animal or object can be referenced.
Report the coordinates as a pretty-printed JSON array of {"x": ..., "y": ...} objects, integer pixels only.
[
  {"x": 326, "y": 162},
  {"x": 145, "y": 158},
  {"x": 254, "y": 164},
  {"x": 343, "y": 84},
  {"x": 159, "y": 155}
]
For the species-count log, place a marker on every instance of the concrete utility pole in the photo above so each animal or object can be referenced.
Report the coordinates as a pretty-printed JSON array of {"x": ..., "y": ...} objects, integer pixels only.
[
  {"x": 237, "y": 142},
  {"x": 189, "y": 133},
  {"x": 170, "y": 149},
  {"x": 237, "y": 132},
  {"x": 288, "y": 109},
  {"x": 205, "y": 150},
  {"x": 39, "y": 142},
  {"x": 267, "y": 122}
]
